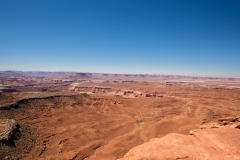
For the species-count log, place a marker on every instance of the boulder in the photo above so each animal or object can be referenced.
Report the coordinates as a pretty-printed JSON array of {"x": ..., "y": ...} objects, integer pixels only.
[{"x": 8, "y": 128}]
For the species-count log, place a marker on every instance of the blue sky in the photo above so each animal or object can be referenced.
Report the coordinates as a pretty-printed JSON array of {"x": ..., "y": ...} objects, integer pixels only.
[{"x": 187, "y": 37}]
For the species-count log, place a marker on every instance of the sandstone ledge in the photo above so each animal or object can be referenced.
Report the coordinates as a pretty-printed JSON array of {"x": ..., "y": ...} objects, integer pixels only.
[{"x": 215, "y": 144}]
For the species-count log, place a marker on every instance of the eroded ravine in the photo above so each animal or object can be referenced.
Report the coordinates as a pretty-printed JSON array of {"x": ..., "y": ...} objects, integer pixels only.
[{"x": 81, "y": 126}]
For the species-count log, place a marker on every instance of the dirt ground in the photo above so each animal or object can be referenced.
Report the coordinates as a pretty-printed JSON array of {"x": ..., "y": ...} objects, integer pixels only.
[{"x": 71, "y": 125}]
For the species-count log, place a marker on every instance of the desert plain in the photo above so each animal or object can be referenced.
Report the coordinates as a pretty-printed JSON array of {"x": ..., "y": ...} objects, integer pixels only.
[{"x": 92, "y": 116}]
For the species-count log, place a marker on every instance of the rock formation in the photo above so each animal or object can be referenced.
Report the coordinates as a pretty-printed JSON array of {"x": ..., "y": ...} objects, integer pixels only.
[
  {"x": 204, "y": 144},
  {"x": 232, "y": 122},
  {"x": 8, "y": 127}
]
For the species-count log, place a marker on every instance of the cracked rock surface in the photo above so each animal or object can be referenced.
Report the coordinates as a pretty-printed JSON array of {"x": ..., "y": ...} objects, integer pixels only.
[{"x": 216, "y": 144}]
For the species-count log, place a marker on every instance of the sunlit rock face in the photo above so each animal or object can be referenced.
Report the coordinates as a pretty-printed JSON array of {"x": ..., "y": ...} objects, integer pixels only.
[{"x": 217, "y": 143}]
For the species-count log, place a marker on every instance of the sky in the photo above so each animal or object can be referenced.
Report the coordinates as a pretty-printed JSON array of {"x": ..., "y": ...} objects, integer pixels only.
[{"x": 187, "y": 37}]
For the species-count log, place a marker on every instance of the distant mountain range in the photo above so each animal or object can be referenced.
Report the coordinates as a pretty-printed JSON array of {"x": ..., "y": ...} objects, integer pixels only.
[{"x": 74, "y": 75}]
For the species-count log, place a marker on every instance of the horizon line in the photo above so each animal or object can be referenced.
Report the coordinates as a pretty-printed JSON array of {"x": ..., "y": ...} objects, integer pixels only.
[{"x": 120, "y": 73}]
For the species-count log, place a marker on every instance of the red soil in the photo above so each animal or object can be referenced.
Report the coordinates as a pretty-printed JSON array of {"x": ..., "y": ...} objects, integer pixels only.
[{"x": 105, "y": 125}]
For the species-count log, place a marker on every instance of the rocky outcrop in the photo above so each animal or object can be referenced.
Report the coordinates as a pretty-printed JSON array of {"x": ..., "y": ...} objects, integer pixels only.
[
  {"x": 131, "y": 93},
  {"x": 8, "y": 128},
  {"x": 91, "y": 89},
  {"x": 150, "y": 95},
  {"x": 232, "y": 122},
  {"x": 94, "y": 89},
  {"x": 153, "y": 95},
  {"x": 75, "y": 87},
  {"x": 99, "y": 81},
  {"x": 215, "y": 144},
  {"x": 4, "y": 88},
  {"x": 102, "y": 90},
  {"x": 130, "y": 82}
]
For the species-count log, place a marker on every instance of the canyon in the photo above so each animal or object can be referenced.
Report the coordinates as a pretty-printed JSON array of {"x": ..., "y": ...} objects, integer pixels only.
[{"x": 70, "y": 115}]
